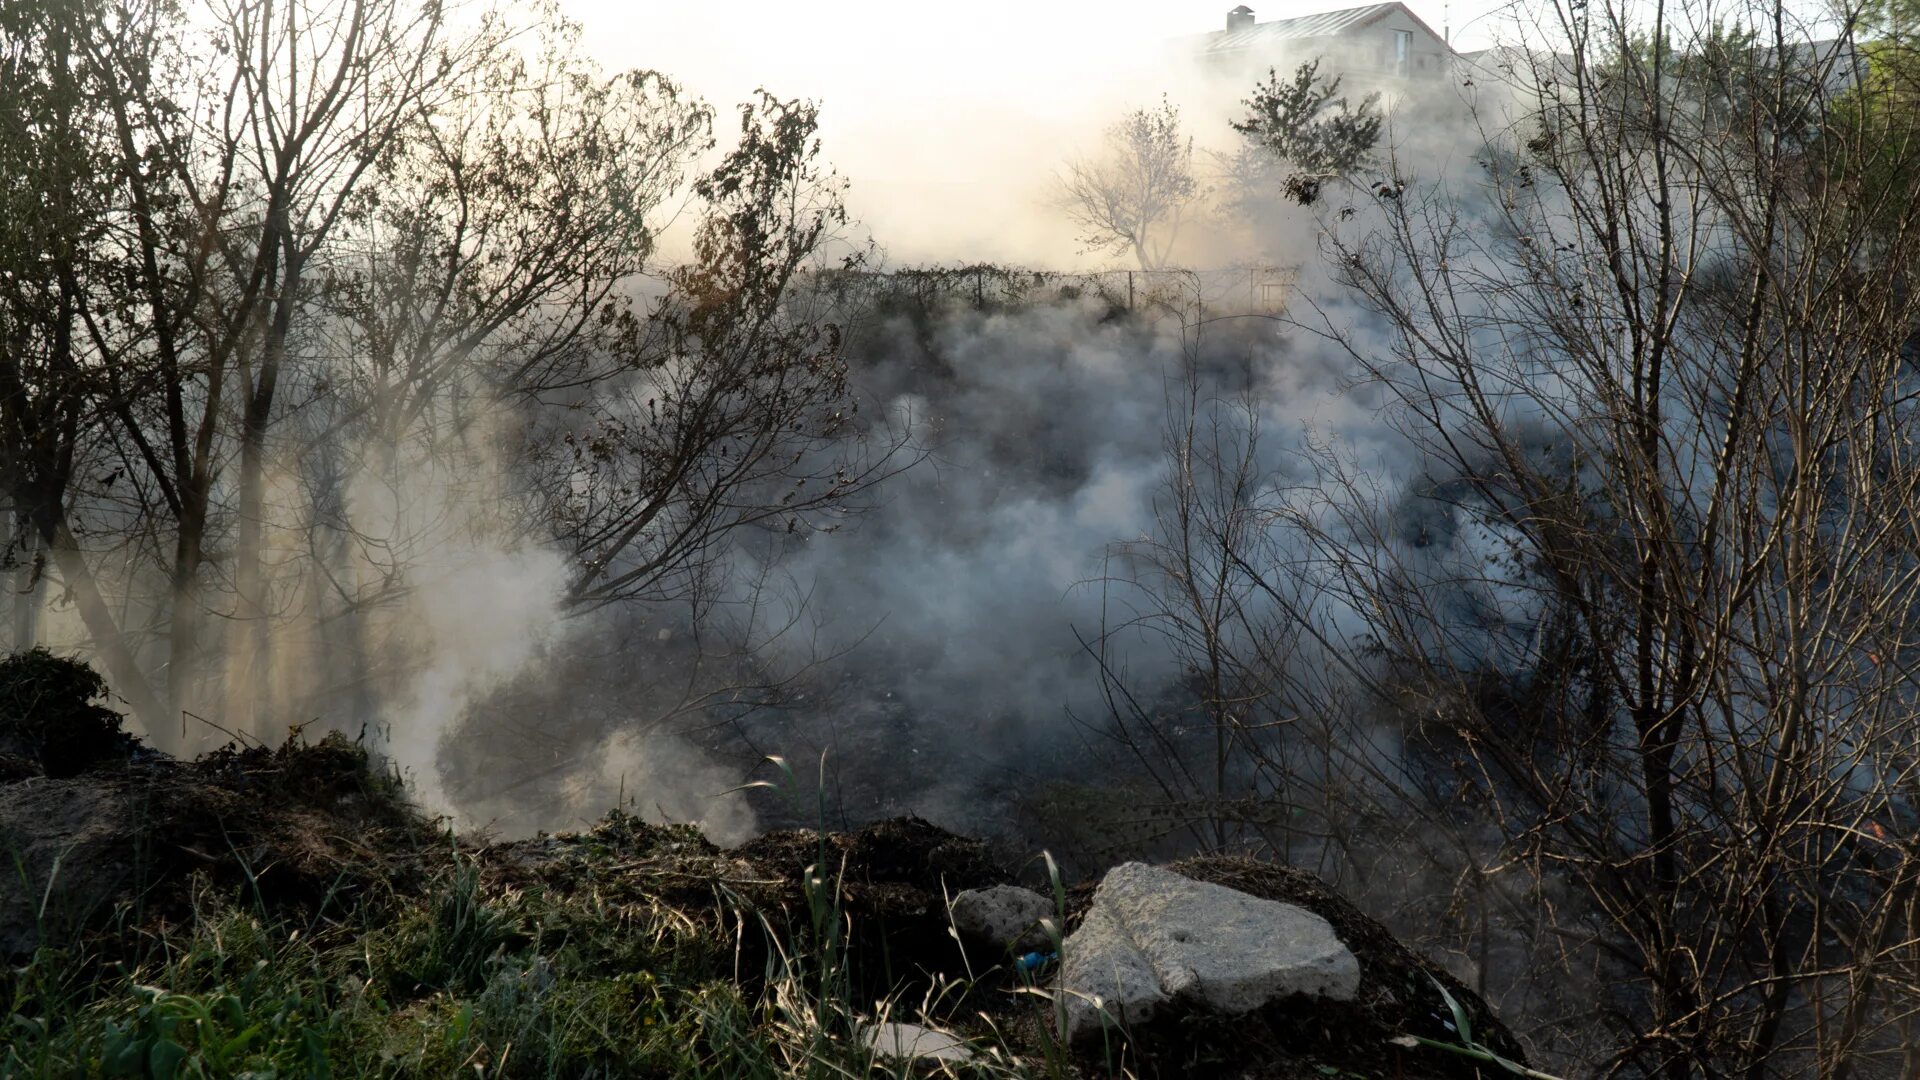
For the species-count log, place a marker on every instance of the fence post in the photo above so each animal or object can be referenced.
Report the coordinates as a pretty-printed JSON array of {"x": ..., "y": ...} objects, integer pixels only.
[{"x": 1129, "y": 290}]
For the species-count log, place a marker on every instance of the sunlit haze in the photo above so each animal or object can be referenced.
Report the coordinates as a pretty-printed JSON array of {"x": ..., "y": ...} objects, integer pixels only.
[{"x": 950, "y": 119}]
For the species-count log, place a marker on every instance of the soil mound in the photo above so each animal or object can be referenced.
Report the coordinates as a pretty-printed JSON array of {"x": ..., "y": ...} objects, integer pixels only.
[
  {"x": 123, "y": 843},
  {"x": 902, "y": 863}
]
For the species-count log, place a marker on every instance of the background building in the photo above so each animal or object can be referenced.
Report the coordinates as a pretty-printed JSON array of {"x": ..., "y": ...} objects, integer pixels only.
[{"x": 1370, "y": 47}]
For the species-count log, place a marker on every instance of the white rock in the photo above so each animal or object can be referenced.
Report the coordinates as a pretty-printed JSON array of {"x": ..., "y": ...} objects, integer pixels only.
[
  {"x": 1105, "y": 974},
  {"x": 1005, "y": 915},
  {"x": 1191, "y": 940},
  {"x": 906, "y": 1042}
]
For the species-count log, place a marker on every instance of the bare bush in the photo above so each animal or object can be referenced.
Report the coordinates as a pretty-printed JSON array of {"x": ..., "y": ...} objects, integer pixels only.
[{"x": 1627, "y": 654}]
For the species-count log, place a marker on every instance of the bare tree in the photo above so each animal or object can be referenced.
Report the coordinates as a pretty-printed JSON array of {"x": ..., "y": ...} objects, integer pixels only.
[
  {"x": 1705, "y": 515},
  {"x": 1135, "y": 195},
  {"x": 226, "y": 153},
  {"x": 70, "y": 329},
  {"x": 742, "y": 415},
  {"x": 1633, "y": 638},
  {"x": 319, "y": 246}
]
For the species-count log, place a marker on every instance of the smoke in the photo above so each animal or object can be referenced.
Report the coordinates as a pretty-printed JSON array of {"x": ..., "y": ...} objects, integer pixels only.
[
  {"x": 478, "y": 616},
  {"x": 662, "y": 778},
  {"x": 954, "y": 125},
  {"x": 964, "y": 613},
  {"x": 946, "y": 645},
  {"x": 942, "y": 648},
  {"x": 948, "y": 632},
  {"x": 966, "y": 610}
]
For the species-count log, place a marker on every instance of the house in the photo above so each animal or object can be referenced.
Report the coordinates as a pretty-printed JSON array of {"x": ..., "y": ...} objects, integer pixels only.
[
  {"x": 1832, "y": 65},
  {"x": 1818, "y": 71},
  {"x": 1375, "y": 46}
]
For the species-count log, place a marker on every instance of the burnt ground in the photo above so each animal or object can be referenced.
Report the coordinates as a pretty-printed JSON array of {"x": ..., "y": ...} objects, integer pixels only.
[
  {"x": 126, "y": 844},
  {"x": 890, "y": 882},
  {"x": 130, "y": 844}
]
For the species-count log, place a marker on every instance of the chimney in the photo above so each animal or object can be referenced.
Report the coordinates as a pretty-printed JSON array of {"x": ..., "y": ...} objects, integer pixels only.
[{"x": 1240, "y": 18}]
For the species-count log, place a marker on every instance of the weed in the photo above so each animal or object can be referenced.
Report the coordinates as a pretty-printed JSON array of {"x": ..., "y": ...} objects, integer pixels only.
[
  {"x": 1462, "y": 1025},
  {"x": 463, "y": 978},
  {"x": 449, "y": 946}
]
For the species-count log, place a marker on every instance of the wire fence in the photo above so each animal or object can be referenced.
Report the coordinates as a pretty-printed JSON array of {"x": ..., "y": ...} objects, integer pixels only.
[{"x": 988, "y": 287}]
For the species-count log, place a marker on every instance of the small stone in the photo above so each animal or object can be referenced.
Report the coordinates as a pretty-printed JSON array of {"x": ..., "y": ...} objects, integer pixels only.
[
  {"x": 907, "y": 1042},
  {"x": 1005, "y": 916}
]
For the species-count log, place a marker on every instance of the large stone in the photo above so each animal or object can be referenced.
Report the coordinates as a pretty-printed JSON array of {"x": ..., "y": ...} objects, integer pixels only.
[
  {"x": 1104, "y": 974},
  {"x": 1004, "y": 915},
  {"x": 1153, "y": 936},
  {"x": 908, "y": 1042}
]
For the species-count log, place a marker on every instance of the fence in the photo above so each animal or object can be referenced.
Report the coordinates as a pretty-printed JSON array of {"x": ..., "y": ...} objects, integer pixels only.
[{"x": 986, "y": 287}]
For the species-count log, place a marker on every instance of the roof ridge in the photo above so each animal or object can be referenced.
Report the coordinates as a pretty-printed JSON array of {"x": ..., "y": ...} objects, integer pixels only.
[
  {"x": 1331, "y": 11},
  {"x": 1322, "y": 23}
]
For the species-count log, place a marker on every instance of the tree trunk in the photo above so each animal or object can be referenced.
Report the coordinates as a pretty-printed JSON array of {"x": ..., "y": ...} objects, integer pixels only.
[{"x": 109, "y": 637}]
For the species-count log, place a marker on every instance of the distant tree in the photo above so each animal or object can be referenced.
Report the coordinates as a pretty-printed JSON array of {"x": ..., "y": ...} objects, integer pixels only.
[
  {"x": 1305, "y": 122},
  {"x": 1870, "y": 136},
  {"x": 1135, "y": 196},
  {"x": 1247, "y": 178}
]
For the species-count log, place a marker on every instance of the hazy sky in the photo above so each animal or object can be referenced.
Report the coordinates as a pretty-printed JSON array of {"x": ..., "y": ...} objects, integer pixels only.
[
  {"x": 919, "y": 50},
  {"x": 951, "y": 119}
]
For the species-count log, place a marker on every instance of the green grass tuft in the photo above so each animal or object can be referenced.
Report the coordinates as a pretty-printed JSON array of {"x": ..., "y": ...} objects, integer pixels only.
[{"x": 453, "y": 980}]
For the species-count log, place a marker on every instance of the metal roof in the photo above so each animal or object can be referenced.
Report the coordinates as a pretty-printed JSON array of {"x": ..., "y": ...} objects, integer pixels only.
[{"x": 1325, "y": 24}]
